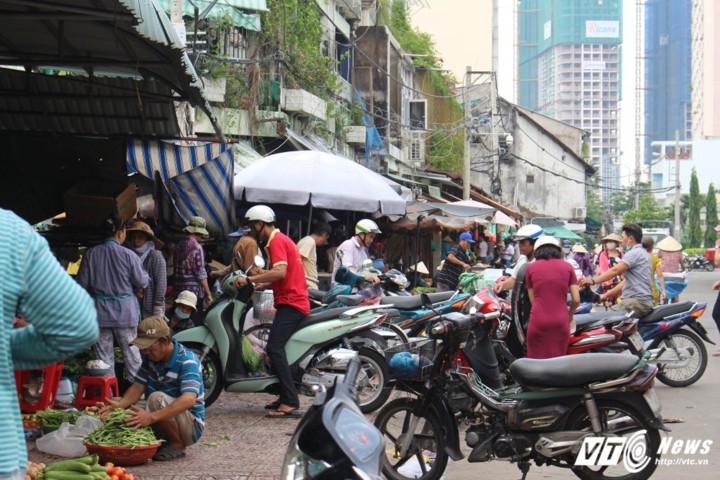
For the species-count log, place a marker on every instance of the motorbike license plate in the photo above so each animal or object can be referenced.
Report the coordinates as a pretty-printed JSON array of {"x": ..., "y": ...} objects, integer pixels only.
[
  {"x": 653, "y": 401},
  {"x": 637, "y": 341}
]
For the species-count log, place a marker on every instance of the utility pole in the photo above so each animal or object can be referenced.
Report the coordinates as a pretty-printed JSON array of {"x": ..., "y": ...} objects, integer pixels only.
[
  {"x": 678, "y": 230},
  {"x": 466, "y": 121},
  {"x": 637, "y": 173}
]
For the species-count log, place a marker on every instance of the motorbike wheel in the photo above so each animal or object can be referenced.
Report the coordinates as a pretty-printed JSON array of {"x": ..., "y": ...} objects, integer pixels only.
[
  {"x": 640, "y": 454},
  {"x": 689, "y": 266},
  {"x": 710, "y": 266},
  {"x": 425, "y": 458},
  {"x": 211, "y": 370},
  {"x": 682, "y": 377},
  {"x": 372, "y": 390}
]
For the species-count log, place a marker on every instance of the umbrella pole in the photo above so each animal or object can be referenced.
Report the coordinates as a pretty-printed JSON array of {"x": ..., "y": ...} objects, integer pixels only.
[
  {"x": 310, "y": 219},
  {"x": 415, "y": 252}
]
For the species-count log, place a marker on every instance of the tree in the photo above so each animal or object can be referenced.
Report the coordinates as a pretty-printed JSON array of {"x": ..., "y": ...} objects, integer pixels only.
[
  {"x": 647, "y": 210},
  {"x": 694, "y": 232},
  {"x": 621, "y": 202},
  {"x": 711, "y": 217}
]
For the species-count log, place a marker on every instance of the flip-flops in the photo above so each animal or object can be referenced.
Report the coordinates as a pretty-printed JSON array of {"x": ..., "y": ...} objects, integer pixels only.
[
  {"x": 293, "y": 413},
  {"x": 274, "y": 405},
  {"x": 168, "y": 452}
]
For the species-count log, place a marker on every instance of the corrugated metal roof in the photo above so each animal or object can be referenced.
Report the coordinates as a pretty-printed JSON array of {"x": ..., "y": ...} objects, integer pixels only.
[{"x": 71, "y": 48}]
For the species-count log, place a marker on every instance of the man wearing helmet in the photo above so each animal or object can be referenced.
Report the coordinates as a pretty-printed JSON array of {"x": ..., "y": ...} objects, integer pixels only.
[
  {"x": 287, "y": 277},
  {"x": 354, "y": 251},
  {"x": 526, "y": 237}
]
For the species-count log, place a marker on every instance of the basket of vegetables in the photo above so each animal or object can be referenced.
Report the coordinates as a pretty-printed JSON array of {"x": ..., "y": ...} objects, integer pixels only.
[{"x": 120, "y": 444}]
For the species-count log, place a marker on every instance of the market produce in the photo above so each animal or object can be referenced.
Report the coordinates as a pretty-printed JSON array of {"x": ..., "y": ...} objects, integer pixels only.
[
  {"x": 52, "y": 419},
  {"x": 115, "y": 433},
  {"x": 84, "y": 468}
]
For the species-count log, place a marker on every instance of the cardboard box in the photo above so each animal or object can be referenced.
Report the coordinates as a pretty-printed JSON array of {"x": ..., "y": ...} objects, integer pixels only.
[{"x": 89, "y": 204}]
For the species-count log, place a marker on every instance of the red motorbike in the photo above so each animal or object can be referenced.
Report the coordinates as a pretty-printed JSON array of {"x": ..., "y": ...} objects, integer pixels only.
[{"x": 595, "y": 332}]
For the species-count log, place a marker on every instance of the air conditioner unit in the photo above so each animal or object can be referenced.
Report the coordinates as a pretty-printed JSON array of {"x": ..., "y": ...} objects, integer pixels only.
[{"x": 579, "y": 212}]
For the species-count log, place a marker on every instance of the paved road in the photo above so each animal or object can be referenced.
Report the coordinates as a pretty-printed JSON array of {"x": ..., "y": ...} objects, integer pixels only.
[{"x": 240, "y": 443}]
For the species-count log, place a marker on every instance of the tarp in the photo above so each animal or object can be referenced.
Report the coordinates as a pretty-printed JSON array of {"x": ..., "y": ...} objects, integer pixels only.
[
  {"x": 196, "y": 180},
  {"x": 432, "y": 222},
  {"x": 561, "y": 233}
]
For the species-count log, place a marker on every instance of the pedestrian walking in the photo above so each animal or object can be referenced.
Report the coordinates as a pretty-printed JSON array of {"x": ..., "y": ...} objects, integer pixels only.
[{"x": 143, "y": 242}]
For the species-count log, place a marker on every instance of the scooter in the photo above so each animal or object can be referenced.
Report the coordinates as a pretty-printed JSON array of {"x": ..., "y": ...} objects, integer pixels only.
[
  {"x": 699, "y": 262},
  {"x": 676, "y": 342},
  {"x": 318, "y": 351},
  {"x": 334, "y": 439},
  {"x": 560, "y": 406}
]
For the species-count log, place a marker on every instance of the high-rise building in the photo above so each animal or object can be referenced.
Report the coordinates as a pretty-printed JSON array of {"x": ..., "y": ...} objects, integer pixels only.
[
  {"x": 569, "y": 68},
  {"x": 705, "y": 69},
  {"x": 667, "y": 73}
]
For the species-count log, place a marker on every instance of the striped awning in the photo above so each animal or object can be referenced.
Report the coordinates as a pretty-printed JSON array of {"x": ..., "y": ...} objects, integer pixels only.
[
  {"x": 196, "y": 181},
  {"x": 235, "y": 10}
]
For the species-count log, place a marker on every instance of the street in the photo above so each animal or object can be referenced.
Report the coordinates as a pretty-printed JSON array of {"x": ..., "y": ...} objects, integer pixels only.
[{"x": 240, "y": 443}]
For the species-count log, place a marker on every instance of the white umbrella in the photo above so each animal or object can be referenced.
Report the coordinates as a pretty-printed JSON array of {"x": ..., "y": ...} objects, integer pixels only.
[{"x": 321, "y": 179}]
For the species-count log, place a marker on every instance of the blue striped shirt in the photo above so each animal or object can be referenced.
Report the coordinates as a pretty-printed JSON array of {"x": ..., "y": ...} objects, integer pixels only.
[
  {"x": 62, "y": 322},
  {"x": 181, "y": 374}
]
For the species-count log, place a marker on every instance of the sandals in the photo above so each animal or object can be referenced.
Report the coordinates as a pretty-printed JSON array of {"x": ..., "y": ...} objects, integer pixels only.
[
  {"x": 291, "y": 412},
  {"x": 274, "y": 405},
  {"x": 168, "y": 452}
]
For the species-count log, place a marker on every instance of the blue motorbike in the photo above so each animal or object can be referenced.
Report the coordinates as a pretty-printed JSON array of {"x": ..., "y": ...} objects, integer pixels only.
[{"x": 676, "y": 342}]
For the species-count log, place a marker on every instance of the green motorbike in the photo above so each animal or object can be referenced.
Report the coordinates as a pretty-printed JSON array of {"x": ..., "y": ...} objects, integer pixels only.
[{"x": 318, "y": 352}]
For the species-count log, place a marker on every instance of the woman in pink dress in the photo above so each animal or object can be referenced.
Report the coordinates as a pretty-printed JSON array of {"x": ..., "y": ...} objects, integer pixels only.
[{"x": 549, "y": 279}]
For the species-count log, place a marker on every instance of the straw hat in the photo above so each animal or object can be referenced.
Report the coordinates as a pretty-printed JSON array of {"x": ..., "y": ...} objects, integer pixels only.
[
  {"x": 421, "y": 268},
  {"x": 669, "y": 244},
  {"x": 138, "y": 226},
  {"x": 440, "y": 267},
  {"x": 197, "y": 225},
  {"x": 613, "y": 237},
  {"x": 579, "y": 248}
]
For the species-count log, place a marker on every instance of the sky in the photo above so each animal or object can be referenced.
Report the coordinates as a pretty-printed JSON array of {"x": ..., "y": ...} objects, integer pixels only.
[{"x": 462, "y": 31}]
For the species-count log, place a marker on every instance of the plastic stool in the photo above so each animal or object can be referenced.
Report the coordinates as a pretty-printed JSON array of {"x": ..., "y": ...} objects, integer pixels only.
[
  {"x": 51, "y": 379},
  {"x": 94, "y": 389}
]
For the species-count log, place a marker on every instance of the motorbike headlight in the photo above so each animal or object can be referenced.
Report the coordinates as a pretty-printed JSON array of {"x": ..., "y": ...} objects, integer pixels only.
[{"x": 298, "y": 465}]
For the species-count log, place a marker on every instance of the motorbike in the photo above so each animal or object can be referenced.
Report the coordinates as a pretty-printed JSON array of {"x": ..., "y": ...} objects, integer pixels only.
[
  {"x": 676, "y": 342},
  {"x": 698, "y": 262},
  {"x": 318, "y": 351},
  {"x": 560, "y": 408},
  {"x": 333, "y": 439}
]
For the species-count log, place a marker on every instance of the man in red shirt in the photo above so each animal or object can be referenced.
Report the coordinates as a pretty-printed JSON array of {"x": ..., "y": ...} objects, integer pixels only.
[{"x": 287, "y": 276}]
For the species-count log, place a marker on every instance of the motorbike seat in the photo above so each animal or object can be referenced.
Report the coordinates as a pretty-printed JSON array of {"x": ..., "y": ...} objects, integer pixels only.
[
  {"x": 350, "y": 300},
  {"x": 588, "y": 321},
  {"x": 322, "y": 316},
  {"x": 571, "y": 370},
  {"x": 414, "y": 302},
  {"x": 662, "y": 311}
]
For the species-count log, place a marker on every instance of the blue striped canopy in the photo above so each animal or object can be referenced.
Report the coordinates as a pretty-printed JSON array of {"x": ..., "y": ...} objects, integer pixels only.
[{"x": 196, "y": 181}]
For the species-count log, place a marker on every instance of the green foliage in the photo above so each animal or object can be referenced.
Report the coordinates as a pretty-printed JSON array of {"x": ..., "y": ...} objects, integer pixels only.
[
  {"x": 593, "y": 203},
  {"x": 648, "y": 210},
  {"x": 293, "y": 28},
  {"x": 621, "y": 202},
  {"x": 445, "y": 152},
  {"x": 711, "y": 216},
  {"x": 694, "y": 232}
]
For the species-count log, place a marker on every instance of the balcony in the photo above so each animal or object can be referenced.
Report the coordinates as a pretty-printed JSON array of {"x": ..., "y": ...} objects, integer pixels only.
[
  {"x": 304, "y": 103},
  {"x": 350, "y": 9},
  {"x": 355, "y": 134}
]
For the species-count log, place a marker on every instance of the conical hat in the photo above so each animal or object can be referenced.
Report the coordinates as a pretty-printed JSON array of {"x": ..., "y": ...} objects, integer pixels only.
[
  {"x": 669, "y": 244},
  {"x": 579, "y": 248},
  {"x": 421, "y": 268},
  {"x": 613, "y": 237}
]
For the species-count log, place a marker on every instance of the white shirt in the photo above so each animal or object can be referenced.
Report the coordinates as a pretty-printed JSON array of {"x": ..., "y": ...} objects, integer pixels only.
[{"x": 351, "y": 254}]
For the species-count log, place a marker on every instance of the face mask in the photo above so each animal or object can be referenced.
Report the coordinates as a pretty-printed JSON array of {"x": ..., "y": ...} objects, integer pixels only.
[
  {"x": 566, "y": 250},
  {"x": 181, "y": 315},
  {"x": 611, "y": 245}
]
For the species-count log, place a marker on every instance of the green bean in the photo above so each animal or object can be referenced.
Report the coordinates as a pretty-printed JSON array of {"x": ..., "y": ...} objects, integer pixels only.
[{"x": 116, "y": 433}]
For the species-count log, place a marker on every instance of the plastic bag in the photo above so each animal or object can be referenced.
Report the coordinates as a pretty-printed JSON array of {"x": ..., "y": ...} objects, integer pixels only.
[{"x": 67, "y": 441}]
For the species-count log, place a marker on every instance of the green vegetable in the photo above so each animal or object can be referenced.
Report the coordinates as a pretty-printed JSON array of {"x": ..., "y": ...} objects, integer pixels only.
[
  {"x": 52, "y": 419},
  {"x": 68, "y": 466},
  {"x": 62, "y": 475},
  {"x": 115, "y": 433}
]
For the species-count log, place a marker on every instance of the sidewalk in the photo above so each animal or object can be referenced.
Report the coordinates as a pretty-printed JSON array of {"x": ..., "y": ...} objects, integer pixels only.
[{"x": 239, "y": 443}]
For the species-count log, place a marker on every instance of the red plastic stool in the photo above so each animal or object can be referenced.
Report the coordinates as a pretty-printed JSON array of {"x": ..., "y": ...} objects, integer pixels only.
[
  {"x": 94, "y": 389},
  {"x": 51, "y": 380}
]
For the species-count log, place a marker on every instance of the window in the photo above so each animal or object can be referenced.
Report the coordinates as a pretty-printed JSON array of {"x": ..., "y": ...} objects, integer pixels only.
[{"x": 530, "y": 179}]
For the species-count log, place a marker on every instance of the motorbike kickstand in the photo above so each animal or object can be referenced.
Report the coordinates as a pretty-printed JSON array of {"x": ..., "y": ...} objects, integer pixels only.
[{"x": 524, "y": 468}]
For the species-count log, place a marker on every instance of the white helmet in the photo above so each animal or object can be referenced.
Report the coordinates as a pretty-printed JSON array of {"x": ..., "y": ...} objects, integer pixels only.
[
  {"x": 366, "y": 226},
  {"x": 529, "y": 232},
  {"x": 548, "y": 240},
  {"x": 261, "y": 213}
]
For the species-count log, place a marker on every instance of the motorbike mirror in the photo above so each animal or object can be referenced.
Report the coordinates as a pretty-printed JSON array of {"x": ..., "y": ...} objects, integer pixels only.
[
  {"x": 259, "y": 261},
  {"x": 426, "y": 302}
]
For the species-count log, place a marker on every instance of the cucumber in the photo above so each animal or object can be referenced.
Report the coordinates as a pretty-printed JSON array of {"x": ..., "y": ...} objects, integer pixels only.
[
  {"x": 66, "y": 475},
  {"x": 68, "y": 466}
]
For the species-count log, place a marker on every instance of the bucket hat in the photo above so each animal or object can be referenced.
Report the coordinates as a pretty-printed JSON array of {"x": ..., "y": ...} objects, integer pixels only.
[
  {"x": 613, "y": 237},
  {"x": 186, "y": 297},
  {"x": 138, "y": 226},
  {"x": 669, "y": 244},
  {"x": 196, "y": 225}
]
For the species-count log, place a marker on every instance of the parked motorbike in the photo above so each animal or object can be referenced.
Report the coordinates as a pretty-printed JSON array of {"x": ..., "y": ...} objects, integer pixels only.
[
  {"x": 676, "y": 342},
  {"x": 559, "y": 404},
  {"x": 318, "y": 351},
  {"x": 698, "y": 262},
  {"x": 334, "y": 440}
]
